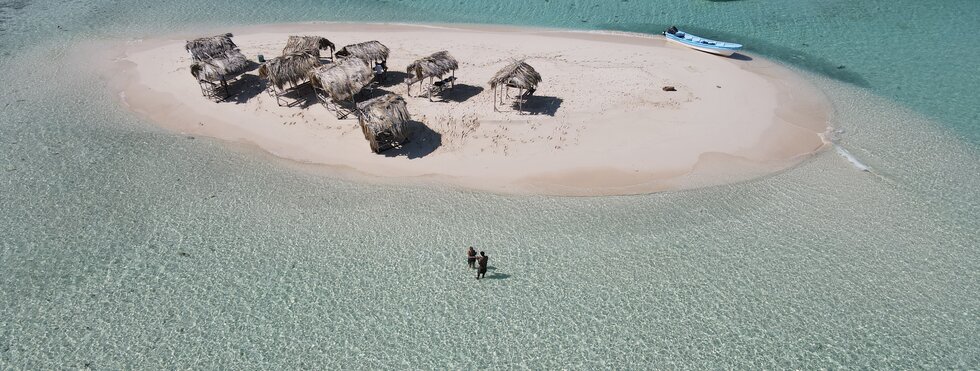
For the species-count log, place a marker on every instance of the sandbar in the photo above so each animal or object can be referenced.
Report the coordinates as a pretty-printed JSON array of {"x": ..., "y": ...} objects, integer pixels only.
[{"x": 600, "y": 122}]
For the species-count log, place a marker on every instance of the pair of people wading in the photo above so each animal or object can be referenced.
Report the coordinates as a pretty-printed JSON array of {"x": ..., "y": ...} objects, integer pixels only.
[{"x": 478, "y": 262}]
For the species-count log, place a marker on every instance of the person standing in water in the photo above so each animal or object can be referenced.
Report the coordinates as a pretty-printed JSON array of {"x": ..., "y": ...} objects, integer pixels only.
[
  {"x": 481, "y": 271},
  {"x": 471, "y": 257}
]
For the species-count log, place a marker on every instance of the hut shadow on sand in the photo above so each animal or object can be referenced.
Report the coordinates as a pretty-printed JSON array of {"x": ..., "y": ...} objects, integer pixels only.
[
  {"x": 392, "y": 78},
  {"x": 421, "y": 142},
  {"x": 303, "y": 97},
  {"x": 369, "y": 93},
  {"x": 460, "y": 93},
  {"x": 539, "y": 105},
  {"x": 247, "y": 86}
]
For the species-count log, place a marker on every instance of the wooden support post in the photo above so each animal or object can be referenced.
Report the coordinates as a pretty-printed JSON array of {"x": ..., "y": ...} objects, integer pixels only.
[
  {"x": 224, "y": 85},
  {"x": 354, "y": 102}
]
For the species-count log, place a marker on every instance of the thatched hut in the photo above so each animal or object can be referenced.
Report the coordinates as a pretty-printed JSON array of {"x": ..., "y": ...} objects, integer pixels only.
[
  {"x": 436, "y": 65},
  {"x": 291, "y": 69},
  {"x": 310, "y": 44},
  {"x": 383, "y": 121},
  {"x": 228, "y": 64},
  {"x": 370, "y": 52},
  {"x": 335, "y": 84},
  {"x": 210, "y": 47},
  {"x": 519, "y": 75},
  {"x": 213, "y": 74}
]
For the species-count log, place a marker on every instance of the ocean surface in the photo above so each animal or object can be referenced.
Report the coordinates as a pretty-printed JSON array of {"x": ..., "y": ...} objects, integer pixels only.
[{"x": 126, "y": 246}]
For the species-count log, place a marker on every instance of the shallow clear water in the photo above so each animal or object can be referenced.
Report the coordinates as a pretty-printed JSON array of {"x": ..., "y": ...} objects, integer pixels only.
[{"x": 125, "y": 246}]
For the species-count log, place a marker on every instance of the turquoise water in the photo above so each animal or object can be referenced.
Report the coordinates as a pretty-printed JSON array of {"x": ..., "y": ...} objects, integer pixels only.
[
  {"x": 125, "y": 246},
  {"x": 918, "y": 53}
]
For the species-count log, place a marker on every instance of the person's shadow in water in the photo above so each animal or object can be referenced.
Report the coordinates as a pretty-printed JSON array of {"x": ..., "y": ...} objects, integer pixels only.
[{"x": 495, "y": 275}]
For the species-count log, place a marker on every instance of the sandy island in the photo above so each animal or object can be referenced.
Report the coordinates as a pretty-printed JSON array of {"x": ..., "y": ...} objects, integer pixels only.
[{"x": 601, "y": 124}]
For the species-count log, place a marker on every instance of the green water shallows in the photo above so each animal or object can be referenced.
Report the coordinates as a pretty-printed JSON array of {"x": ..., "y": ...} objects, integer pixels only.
[{"x": 124, "y": 246}]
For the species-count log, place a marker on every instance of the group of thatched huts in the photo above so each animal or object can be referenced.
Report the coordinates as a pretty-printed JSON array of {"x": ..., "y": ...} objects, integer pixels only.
[{"x": 337, "y": 79}]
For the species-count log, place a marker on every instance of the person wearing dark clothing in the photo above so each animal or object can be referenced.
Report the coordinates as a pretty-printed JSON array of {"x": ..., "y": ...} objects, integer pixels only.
[
  {"x": 379, "y": 72},
  {"x": 471, "y": 257},
  {"x": 481, "y": 261}
]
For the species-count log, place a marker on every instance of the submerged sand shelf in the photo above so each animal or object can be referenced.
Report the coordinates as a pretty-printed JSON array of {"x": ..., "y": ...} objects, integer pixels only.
[{"x": 600, "y": 123}]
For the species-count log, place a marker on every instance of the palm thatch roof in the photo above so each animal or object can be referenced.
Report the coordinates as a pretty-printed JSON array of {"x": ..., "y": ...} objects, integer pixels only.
[
  {"x": 208, "y": 47},
  {"x": 435, "y": 65},
  {"x": 368, "y": 51},
  {"x": 288, "y": 69},
  {"x": 311, "y": 44},
  {"x": 228, "y": 64},
  {"x": 383, "y": 121},
  {"x": 343, "y": 79},
  {"x": 385, "y": 112},
  {"x": 516, "y": 74}
]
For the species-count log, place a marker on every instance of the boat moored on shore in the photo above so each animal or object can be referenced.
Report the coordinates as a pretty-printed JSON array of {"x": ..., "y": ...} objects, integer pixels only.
[{"x": 699, "y": 43}]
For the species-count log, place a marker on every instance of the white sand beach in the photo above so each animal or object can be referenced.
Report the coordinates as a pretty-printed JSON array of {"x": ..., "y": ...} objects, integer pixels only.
[{"x": 600, "y": 122}]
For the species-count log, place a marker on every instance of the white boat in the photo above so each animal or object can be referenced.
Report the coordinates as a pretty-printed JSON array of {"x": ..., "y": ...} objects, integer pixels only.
[{"x": 699, "y": 43}]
